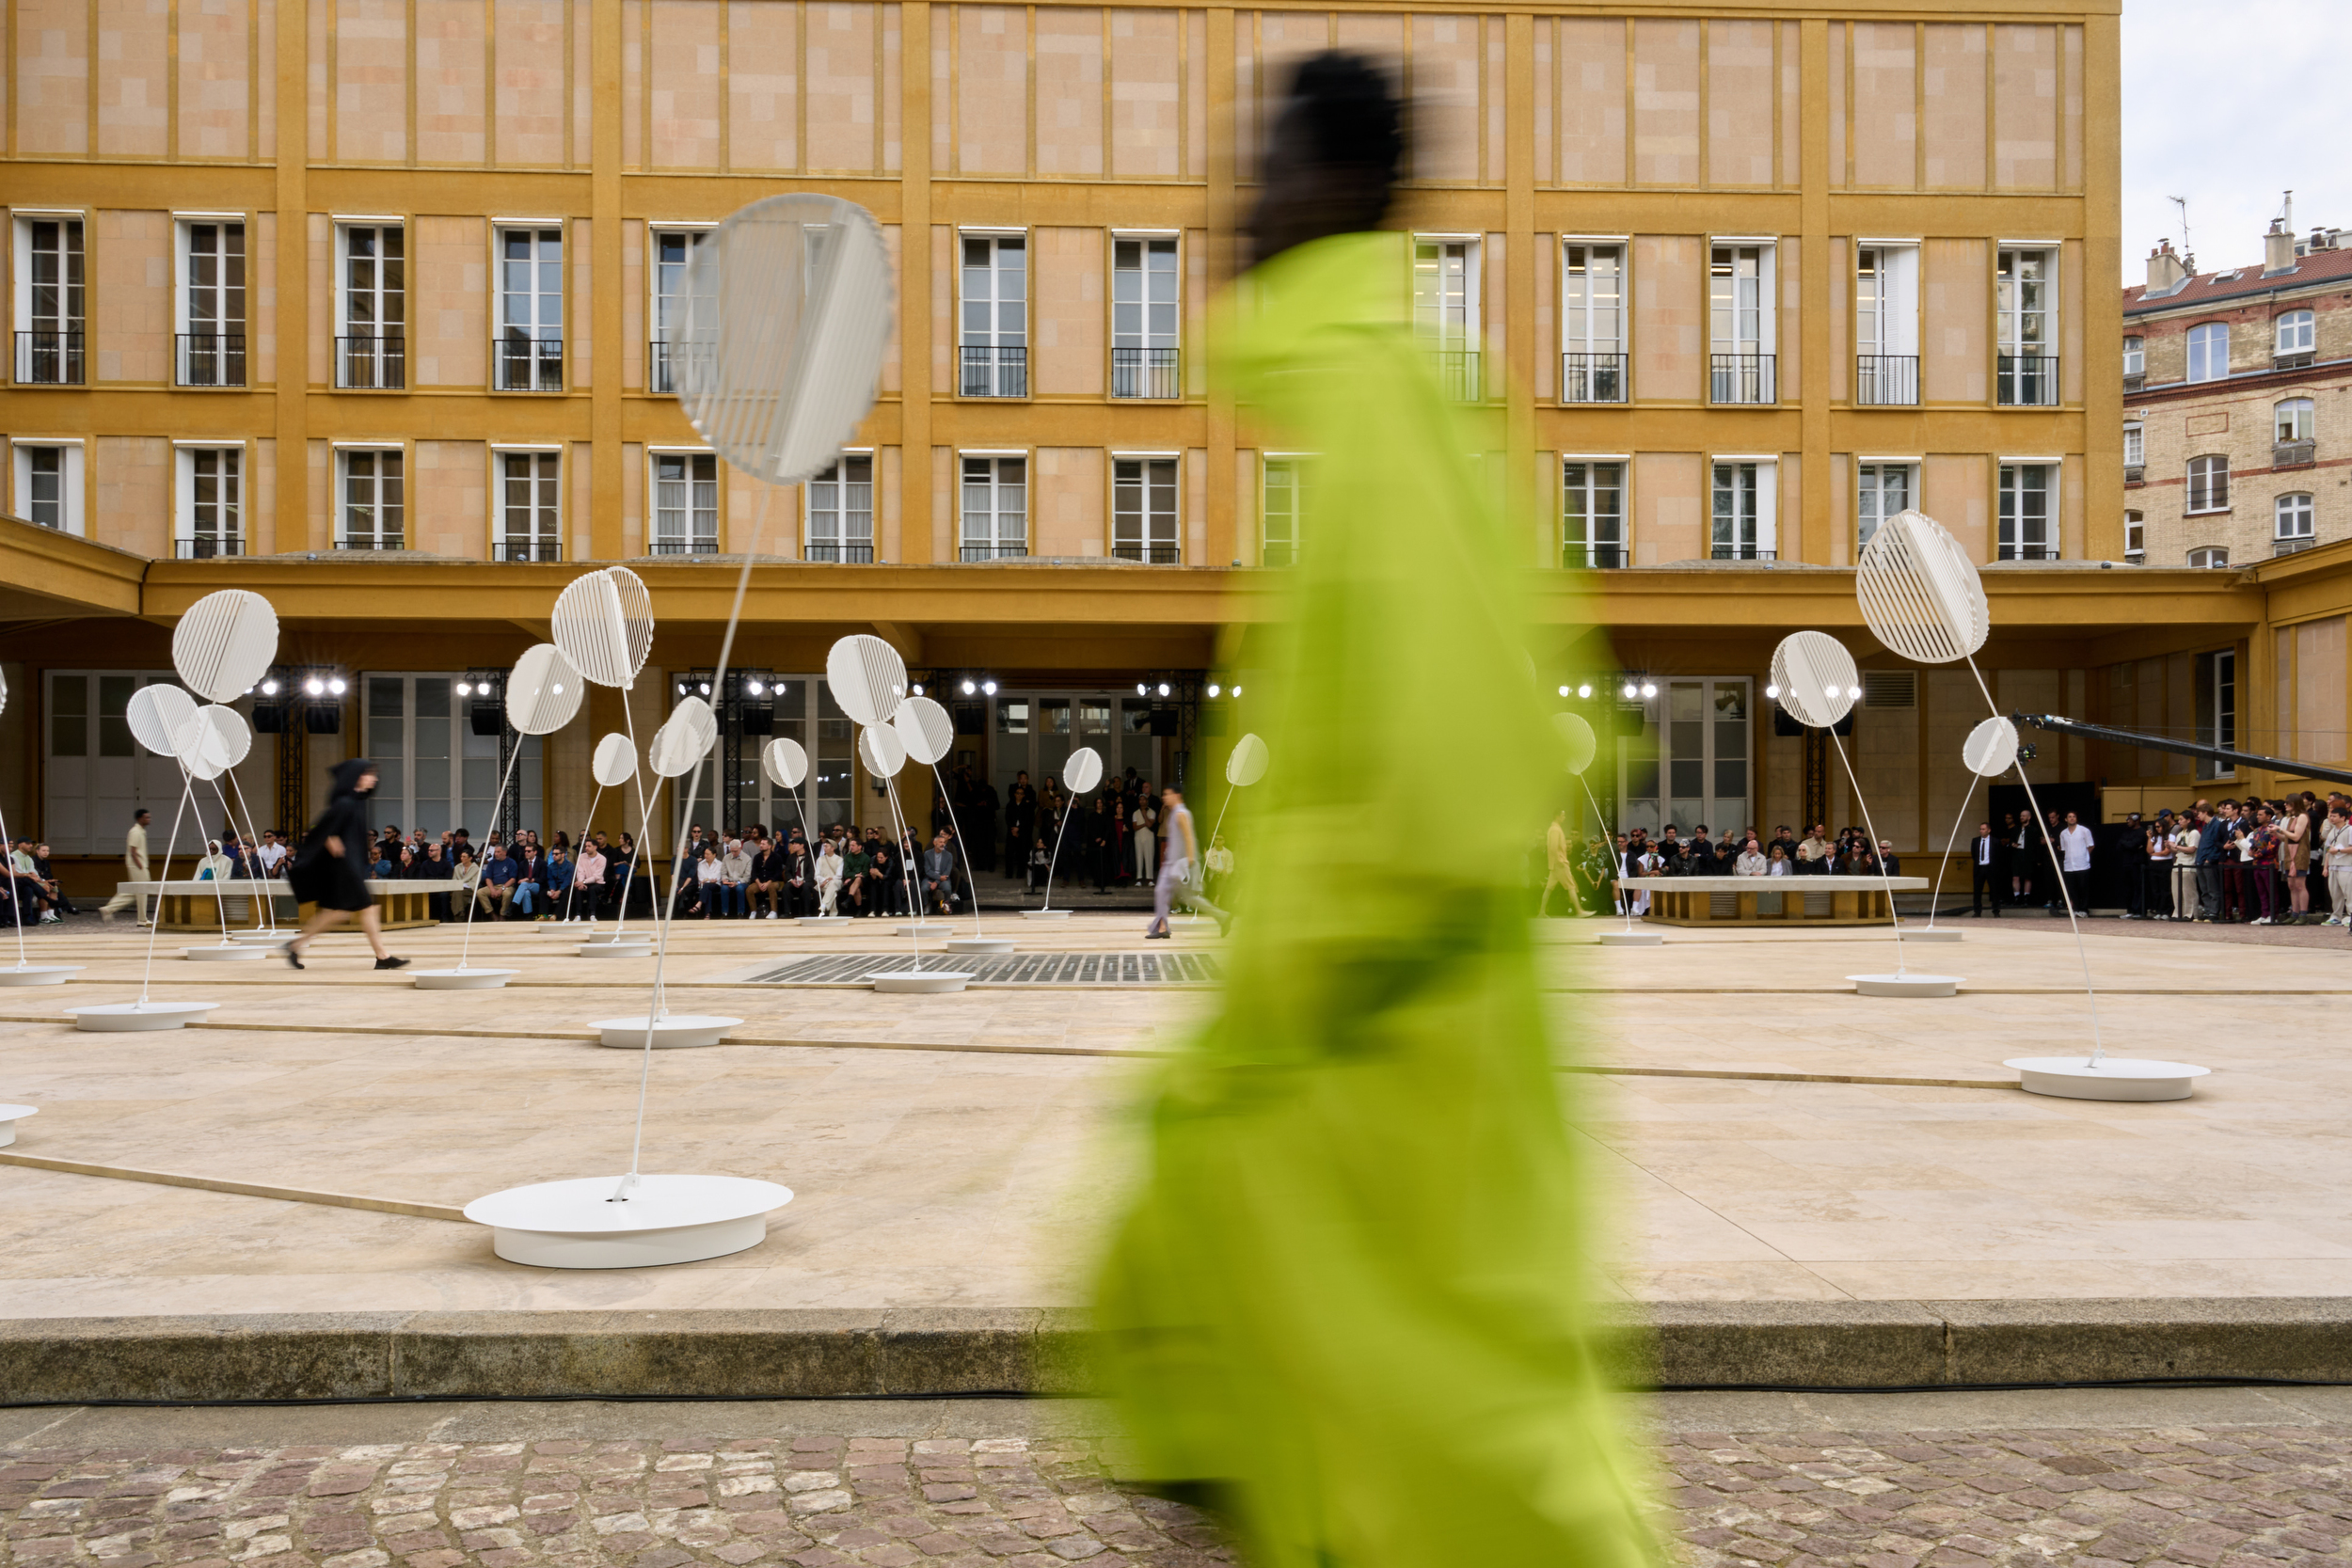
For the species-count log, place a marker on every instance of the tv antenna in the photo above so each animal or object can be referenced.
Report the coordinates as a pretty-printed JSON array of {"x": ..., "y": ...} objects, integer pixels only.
[{"x": 2188, "y": 251}]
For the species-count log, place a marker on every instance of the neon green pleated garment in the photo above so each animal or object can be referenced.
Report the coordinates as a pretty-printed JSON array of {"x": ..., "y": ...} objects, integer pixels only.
[{"x": 1354, "y": 1284}]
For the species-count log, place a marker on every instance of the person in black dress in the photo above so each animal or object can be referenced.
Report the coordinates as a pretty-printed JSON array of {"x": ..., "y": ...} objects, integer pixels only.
[{"x": 330, "y": 870}]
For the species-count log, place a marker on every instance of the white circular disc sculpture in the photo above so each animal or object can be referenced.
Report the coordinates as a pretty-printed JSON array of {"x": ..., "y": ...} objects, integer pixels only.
[
  {"x": 1991, "y": 748},
  {"x": 223, "y": 646},
  {"x": 1247, "y": 762},
  {"x": 1577, "y": 737},
  {"x": 9, "y": 1117},
  {"x": 683, "y": 740},
  {"x": 1082, "y": 770},
  {"x": 671, "y": 1029},
  {"x": 1920, "y": 593},
  {"x": 231, "y": 738},
  {"x": 1816, "y": 678},
  {"x": 462, "y": 979},
  {"x": 786, "y": 762},
  {"x": 665, "y": 1219},
  {"x": 881, "y": 750},
  {"x": 603, "y": 623},
  {"x": 925, "y": 730},
  {"x": 867, "y": 678},
  {"x": 614, "y": 760},
  {"x": 2110, "y": 1077},
  {"x": 118, "y": 1016},
  {"x": 167, "y": 721}
]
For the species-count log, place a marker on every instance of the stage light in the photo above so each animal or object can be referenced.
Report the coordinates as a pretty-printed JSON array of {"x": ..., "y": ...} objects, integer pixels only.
[
  {"x": 1214, "y": 689},
  {"x": 1649, "y": 689},
  {"x": 705, "y": 688},
  {"x": 1163, "y": 689},
  {"x": 756, "y": 690},
  {"x": 1855, "y": 693},
  {"x": 918, "y": 688},
  {"x": 1630, "y": 692},
  {"x": 1584, "y": 691},
  {"x": 969, "y": 688},
  {"x": 1771, "y": 693},
  {"x": 269, "y": 689},
  {"x": 681, "y": 689},
  {"x": 1237, "y": 691},
  {"x": 989, "y": 686},
  {"x": 1142, "y": 690},
  {"x": 315, "y": 687},
  {"x": 1564, "y": 691},
  {"x": 336, "y": 685}
]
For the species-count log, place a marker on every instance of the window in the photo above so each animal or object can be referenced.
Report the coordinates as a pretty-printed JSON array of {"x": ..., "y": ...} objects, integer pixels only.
[
  {"x": 372, "y": 311},
  {"x": 2298, "y": 334},
  {"x": 529, "y": 354},
  {"x": 2134, "y": 450},
  {"x": 671, "y": 250},
  {"x": 1695, "y": 746},
  {"x": 2209, "y": 352},
  {"x": 995, "y": 507},
  {"x": 212, "y": 304},
  {"x": 211, "y": 504},
  {"x": 96, "y": 775},
  {"x": 1285, "y": 485},
  {"x": 1445, "y": 310},
  {"x": 2293, "y": 421},
  {"x": 1743, "y": 511},
  {"x": 2292, "y": 523},
  {"x": 2212, "y": 555},
  {"x": 1740, "y": 324},
  {"x": 1886, "y": 325},
  {"x": 49, "y": 302},
  {"x": 1592, "y": 323},
  {"x": 431, "y": 770},
  {"x": 530, "y": 513},
  {"x": 2209, "y": 485},
  {"x": 2135, "y": 536},
  {"x": 374, "y": 513},
  {"x": 995, "y": 327},
  {"x": 2026, "y": 328},
  {"x": 1143, "y": 319},
  {"x": 2135, "y": 357},
  {"x": 1592, "y": 513},
  {"x": 2217, "y": 694},
  {"x": 1887, "y": 490},
  {"x": 685, "y": 503},
  {"x": 1143, "y": 510},
  {"x": 2029, "y": 504},
  {"x": 49, "y": 484},
  {"x": 841, "y": 511}
]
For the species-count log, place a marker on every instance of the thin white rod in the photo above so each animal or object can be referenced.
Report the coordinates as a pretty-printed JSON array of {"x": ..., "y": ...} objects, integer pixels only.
[
  {"x": 269, "y": 905},
  {"x": 645, "y": 815},
  {"x": 16, "y": 903},
  {"x": 1056, "y": 860},
  {"x": 570, "y": 894},
  {"x": 231, "y": 818},
  {"x": 466, "y": 944},
  {"x": 1892, "y": 918},
  {"x": 1936, "y": 893},
  {"x": 965, "y": 850},
  {"x": 1625, "y": 899},
  {"x": 914, "y": 937},
  {"x": 220, "y": 894},
  {"x": 187, "y": 795}
]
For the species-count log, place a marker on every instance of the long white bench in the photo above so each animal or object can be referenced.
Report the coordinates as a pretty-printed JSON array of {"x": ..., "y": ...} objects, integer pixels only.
[
  {"x": 195, "y": 904},
  {"x": 1769, "y": 901}
]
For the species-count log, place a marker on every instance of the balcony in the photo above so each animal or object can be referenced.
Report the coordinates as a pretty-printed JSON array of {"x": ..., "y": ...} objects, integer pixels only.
[
  {"x": 2292, "y": 547},
  {"x": 840, "y": 554},
  {"x": 1458, "y": 373},
  {"x": 2134, "y": 381},
  {"x": 1592, "y": 378},
  {"x": 684, "y": 547},
  {"x": 2027, "y": 381},
  {"x": 994, "y": 372},
  {"x": 1886, "y": 380},
  {"x": 1576, "y": 555},
  {"x": 386, "y": 539},
  {"x": 2027, "y": 552},
  {"x": 2294, "y": 454},
  {"x": 530, "y": 549},
  {"x": 207, "y": 546},
  {"x": 49, "y": 358},
  {"x": 663, "y": 361},
  {"x": 2134, "y": 473},
  {"x": 2300, "y": 361},
  {"x": 1741, "y": 552},
  {"x": 992, "y": 552},
  {"x": 1157, "y": 555},
  {"x": 372, "y": 364},
  {"x": 1740, "y": 378},
  {"x": 520, "y": 364},
  {"x": 211, "y": 359},
  {"x": 1145, "y": 372}
]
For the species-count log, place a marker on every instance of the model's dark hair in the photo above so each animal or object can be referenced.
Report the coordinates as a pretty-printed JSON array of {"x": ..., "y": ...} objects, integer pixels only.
[{"x": 1349, "y": 107}]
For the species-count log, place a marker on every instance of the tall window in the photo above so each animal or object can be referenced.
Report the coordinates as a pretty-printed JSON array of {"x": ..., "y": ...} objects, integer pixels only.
[
  {"x": 431, "y": 770},
  {"x": 49, "y": 485},
  {"x": 1592, "y": 513},
  {"x": 2209, "y": 351},
  {"x": 1743, "y": 528},
  {"x": 1143, "y": 319},
  {"x": 529, "y": 350},
  {"x": 1592, "y": 323},
  {"x": 2135, "y": 357},
  {"x": 2026, "y": 328},
  {"x": 2208, "y": 485},
  {"x": 1284, "y": 499},
  {"x": 531, "y": 513},
  {"x": 2217, "y": 695},
  {"x": 1887, "y": 490},
  {"x": 1445, "y": 310},
  {"x": 2292, "y": 523},
  {"x": 995, "y": 507},
  {"x": 1690, "y": 763},
  {"x": 1740, "y": 324},
  {"x": 49, "y": 302},
  {"x": 374, "y": 514},
  {"x": 2298, "y": 333},
  {"x": 841, "y": 511},
  {"x": 671, "y": 250},
  {"x": 1886, "y": 325},
  {"x": 211, "y": 502},
  {"x": 1143, "y": 510},
  {"x": 371, "y": 337},
  {"x": 211, "y": 305},
  {"x": 2293, "y": 421},
  {"x": 2134, "y": 447},
  {"x": 995, "y": 325},
  {"x": 2028, "y": 506},
  {"x": 2135, "y": 536},
  {"x": 685, "y": 503}
]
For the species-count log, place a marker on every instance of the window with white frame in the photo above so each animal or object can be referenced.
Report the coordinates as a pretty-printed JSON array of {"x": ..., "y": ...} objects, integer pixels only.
[
  {"x": 841, "y": 511},
  {"x": 1592, "y": 512},
  {"x": 1739, "y": 287},
  {"x": 685, "y": 503},
  {"x": 2215, "y": 700},
  {"x": 994, "y": 341},
  {"x": 672, "y": 250},
  {"x": 2292, "y": 522},
  {"x": 372, "y": 306},
  {"x": 995, "y": 507},
  {"x": 1886, "y": 325},
  {"x": 49, "y": 484},
  {"x": 2135, "y": 536},
  {"x": 1144, "y": 283},
  {"x": 431, "y": 770},
  {"x": 2209, "y": 351},
  {"x": 373, "y": 512},
  {"x": 1143, "y": 510},
  {"x": 529, "y": 504},
  {"x": 2210, "y": 555},
  {"x": 2298, "y": 333},
  {"x": 1743, "y": 523},
  {"x": 2024, "y": 291},
  {"x": 2293, "y": 419},
  {"x": 50, "y": 297},
  {"x": 211, "y": 502},
  {"x": 2135, "y": 446},
  {"x": 2208, "y": 485},
  {"x": 2134, "y": 356},
  {"x": 1445, "y": 309},
  {"x": 1592, "y": 323},
  {"x": 1883, "y": 490},
  {"x": 212, "y": 303},
  {"x": 529, "y": 354},
  {"x": 2028, "y": 512},
  {"x": 1284, "y": 500}
]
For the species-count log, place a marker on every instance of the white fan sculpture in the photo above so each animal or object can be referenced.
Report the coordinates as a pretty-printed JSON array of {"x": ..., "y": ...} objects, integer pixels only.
[
  {"x": 613, "y": 763},
  {"x": 1579, "y": 745},
  {"x": 1080, "y": 773},
  {"x": 929, "y": 733}
]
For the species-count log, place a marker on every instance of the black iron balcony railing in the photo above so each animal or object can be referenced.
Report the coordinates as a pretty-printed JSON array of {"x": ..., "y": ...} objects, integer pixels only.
[
  {"x": 2027, "y": 552},
  {"x": 49, "y": 358},
  {"x": 531, "y": 549},
  {"x": 1458, "y": 373},
  {"x": 846, "y": 555},
  {"x": 211, "y": 359},
  {"x": 1740, "y": 378},
  {"x": 1592, "y": 378},
  {"x": 995, "y": 373},
  {"x": 1145, "y": 372},
  {"x": 993, "y": 552},
  {"x": 520, "y": 364},
  {"x": 372, "y": 364},
  {"x": 1886, "y": 380},
  {"x": 1602, "y": 557},
  {"x": 1157, "y": 555},
  {"x": 2290, "y": 546},
  {"x": 663, "y": 360},
  {"x": 378, "y": 541},
  {"x": 205, "y": 546},
  {"x": 1741, "y": 552},
  {"x": 2027, "y": 381},
  {"x": 685, "y": 547},
  {"x": 2294, "y": 454}
]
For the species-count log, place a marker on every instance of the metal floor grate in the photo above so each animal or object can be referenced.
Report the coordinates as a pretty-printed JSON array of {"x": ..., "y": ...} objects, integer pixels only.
[{"x": 1008, "y": 969}]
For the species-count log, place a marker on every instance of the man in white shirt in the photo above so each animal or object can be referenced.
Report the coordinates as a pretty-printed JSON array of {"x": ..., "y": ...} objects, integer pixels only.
[
  {"x": 272, "y": 854},
  {"x": 135, "y": 866},
  {"x": 2338, "y": 851},
  {"x": 2074, "y": 850}
]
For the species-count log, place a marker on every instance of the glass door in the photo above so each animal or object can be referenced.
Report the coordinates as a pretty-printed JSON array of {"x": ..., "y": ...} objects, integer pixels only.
[{"x": 1690, "y": 763}]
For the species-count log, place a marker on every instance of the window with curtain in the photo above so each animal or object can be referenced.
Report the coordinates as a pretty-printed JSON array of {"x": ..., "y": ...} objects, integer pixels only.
[
  {"x": 2208, "y": 485},
  {"x": 2293, "y": 419},
  {"x": 2028, "y": 512},
  {"x": 1592, "y": 513},
  {"x": 531, "y": 519},
  {"x": 1884, "y": 490},
  {"x": 374, "y": 513},
  {"x": 841, "y": 511},
  {"x": 685, "y": 503},
  {"x": 995, "y": 507}
]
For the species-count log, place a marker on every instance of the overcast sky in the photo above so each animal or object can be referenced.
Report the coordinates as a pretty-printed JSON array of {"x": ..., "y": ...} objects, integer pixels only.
[{"x": 2230, "y": 105}]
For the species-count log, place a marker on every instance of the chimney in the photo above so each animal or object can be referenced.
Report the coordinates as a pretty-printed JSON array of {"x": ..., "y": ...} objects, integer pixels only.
[
  {"x": 2165, "y": 272},
  {"x": 2278, "y": 248}
]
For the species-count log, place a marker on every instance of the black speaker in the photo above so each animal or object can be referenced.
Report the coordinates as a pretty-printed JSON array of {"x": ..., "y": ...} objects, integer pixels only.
[
  {"x": 270, "y": 718},
  {"x": 488, "y": 717},
  {"x": 322, "y": 717},
  {"x": 1785, "y": 726},
  {"x": 759, "y": 721},
  {"x": 971, "y": 718},
  {"x": 1163, "y": 720}
]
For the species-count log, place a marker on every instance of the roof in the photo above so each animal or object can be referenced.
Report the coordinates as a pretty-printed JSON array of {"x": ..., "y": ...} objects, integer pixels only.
[{"x": 2211, "y": 287}]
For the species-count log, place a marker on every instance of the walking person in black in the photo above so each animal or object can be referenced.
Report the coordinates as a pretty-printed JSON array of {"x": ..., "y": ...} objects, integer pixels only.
[
  {"x": 330, "y": 871},
  {"x": 1020, "y": 824},
  {"x": 1988, "y": 866}
]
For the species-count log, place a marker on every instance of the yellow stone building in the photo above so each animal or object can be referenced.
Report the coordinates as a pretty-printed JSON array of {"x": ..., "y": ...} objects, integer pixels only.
[{"x": 358, "y": 303}]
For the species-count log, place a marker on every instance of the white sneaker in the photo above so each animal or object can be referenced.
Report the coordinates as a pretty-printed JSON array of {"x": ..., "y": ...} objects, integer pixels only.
[{"x": 2264, "y": 920}]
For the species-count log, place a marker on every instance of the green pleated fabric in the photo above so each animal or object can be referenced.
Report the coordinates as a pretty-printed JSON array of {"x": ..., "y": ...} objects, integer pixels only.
[{"x": 1354, "y": 1288}]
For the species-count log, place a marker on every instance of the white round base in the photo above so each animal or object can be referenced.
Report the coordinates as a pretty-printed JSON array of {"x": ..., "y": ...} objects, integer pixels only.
[
  {"x": 665, "y": 1219},
  {"x": 980, "y": 945},
  {"x": 267, "y": 937},
  {"x": 462, "y": 979},
  {"x": 823, "y": 920},
  {"x": 922, "y": 928},
  {"x": 39, "y": 974},
  {"x": 9, "y": 1117},
  {"x": 923, "y": 982},
  {"x": 629, "y": 947},
  {"x": 116, "y": 1016},
  {"x": 228, "y": 953},
  {"x": 1904, "y": 985},
  {"x": 1933, "y": 933},
  {"x": 2114, "y": 1078},
  {"x": 1637, "y": 937},
  {"x": 1046, "y": 914},
  {"x": 672, "y": 1029}
]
